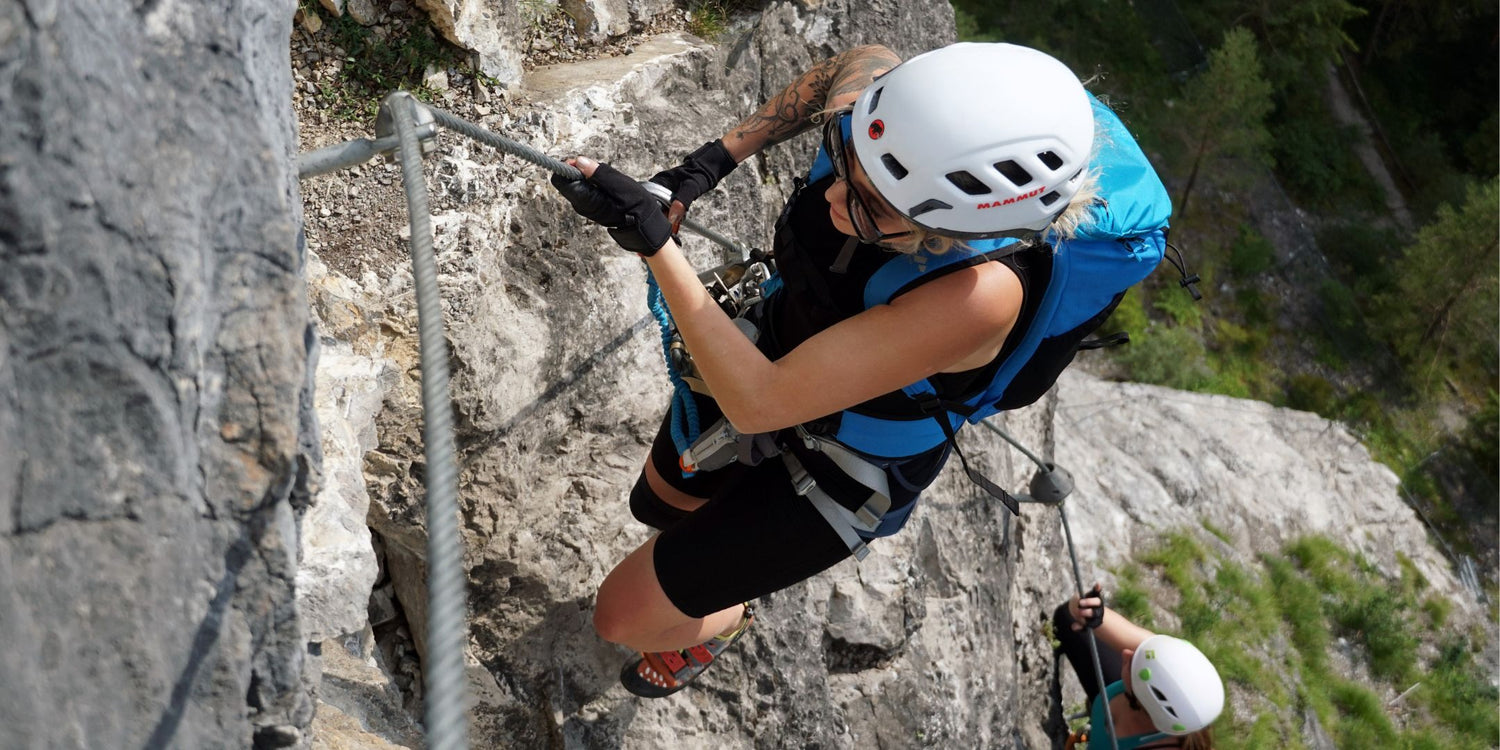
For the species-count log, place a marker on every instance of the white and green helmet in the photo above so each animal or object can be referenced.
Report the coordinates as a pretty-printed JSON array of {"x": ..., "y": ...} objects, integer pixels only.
[
  {"x": 1176, "y": 685},
  {"x": 976, "y": 139}
]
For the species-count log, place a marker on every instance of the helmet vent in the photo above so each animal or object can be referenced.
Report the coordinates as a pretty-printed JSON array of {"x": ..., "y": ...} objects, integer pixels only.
[
  {"x": 1013, "y": 172},
  {"x": 1050, "y": 198},
  {"x": 931, "y": 204},
  {"x": 894, "y": 167},
  {"x": 1053, "y": 161},
  {"x": 968, "y": 183},
  {"x": 874, "y": 101}
]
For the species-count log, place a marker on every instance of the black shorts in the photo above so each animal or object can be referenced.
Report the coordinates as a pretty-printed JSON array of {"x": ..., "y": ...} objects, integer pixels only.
[{"x": 755, "y": 535}]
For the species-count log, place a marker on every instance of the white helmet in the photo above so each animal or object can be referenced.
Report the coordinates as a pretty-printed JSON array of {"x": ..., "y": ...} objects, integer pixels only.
[
  {"x": 1176, "y": 685},
  {"x": 976, "y": 140}
]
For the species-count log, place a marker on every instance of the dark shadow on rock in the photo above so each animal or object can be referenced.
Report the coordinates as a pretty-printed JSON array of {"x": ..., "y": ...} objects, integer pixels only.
[
  {"x": 203, "y": 642},
  {"x": 554, "y": 669},
  {"x": 1056, "y": 725},
  {"x": 473, "y": 440}
]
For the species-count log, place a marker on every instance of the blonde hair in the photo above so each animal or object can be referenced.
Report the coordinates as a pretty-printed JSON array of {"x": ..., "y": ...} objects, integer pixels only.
[{"x": 1203, "y": 739}]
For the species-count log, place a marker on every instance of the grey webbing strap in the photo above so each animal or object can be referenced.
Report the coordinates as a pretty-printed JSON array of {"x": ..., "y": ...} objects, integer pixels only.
[
  {"x": 871, "y": 476},
  {"x": 837, "y": 516},
  {"x": 846, "y": 254}
]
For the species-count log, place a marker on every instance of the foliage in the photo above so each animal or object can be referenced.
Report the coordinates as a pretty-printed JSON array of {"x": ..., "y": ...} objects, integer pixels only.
[
  {"x": 1314, "y": 160},
  {"x": 1182, "y": 309},
  {"x": 1309, "y": 392},
  {"x": 1225, "y": 110},
  {"x": 1130, "y": 598},
  {"x": 1428, "y": 72},
  {"x": 711, "y": 18},
  {"x": 1441, "y": 313},
  {"x": 1481, "y": 437},
  {"x": 536, "y": 12},
  {"x": 1362, "y": 254},
  {"x": 1251, "y": 254},
  {"x": 1308, "y": 594},
  {"x": 1298, "y": 36},
  {"x": 374, "y": 66},
  {"x": 1168, "y": 355},
  {"x": 1380, "y": 619}
]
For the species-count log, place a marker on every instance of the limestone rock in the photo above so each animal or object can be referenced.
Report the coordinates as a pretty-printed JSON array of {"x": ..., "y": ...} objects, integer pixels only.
[
  {"x": 157, "y": 438},
  {"x": 338, "y": 566},
  {"x": 491, "y": 28},
  {"x": 358, "y": 704},
  {"x": 1147, "y": 459}
]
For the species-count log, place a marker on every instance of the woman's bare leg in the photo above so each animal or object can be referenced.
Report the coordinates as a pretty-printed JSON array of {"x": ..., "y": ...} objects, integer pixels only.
[
  {"x": 669, "y": 494},
  {"x": 632, "y": 610}
]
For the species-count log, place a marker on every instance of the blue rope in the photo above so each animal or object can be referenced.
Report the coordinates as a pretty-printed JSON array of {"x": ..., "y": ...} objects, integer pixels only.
[{"x": 684, "y": 416}]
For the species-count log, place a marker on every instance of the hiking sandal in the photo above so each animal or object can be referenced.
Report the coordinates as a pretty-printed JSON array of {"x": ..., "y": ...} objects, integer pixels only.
[{"x": 658, "y": 674}]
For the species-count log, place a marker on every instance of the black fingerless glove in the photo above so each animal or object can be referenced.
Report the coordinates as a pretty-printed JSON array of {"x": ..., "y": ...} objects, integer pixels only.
[
  {"x": 1096, "y": 619},
  {"x": 633, "y": 216},
  {"x": 700, "y": 172}
]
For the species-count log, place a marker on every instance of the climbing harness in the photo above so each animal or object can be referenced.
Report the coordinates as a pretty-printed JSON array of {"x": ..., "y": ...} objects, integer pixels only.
[
  {"x": 405, "y": 131},
  {"x": 736, "y": 287}
]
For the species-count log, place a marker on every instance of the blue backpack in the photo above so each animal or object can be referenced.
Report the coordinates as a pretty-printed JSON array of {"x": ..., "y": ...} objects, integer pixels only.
[{"x": 1122, "y": 242}]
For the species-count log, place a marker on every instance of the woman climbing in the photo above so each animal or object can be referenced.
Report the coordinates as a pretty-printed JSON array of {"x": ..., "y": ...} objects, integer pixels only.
[
  {"x": 1168, "y": 693},
  {"x": 923, "y": 179}
]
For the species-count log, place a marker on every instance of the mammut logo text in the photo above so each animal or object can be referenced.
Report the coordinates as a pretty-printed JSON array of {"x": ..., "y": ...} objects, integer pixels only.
[{"x": 1017, "y": 198}]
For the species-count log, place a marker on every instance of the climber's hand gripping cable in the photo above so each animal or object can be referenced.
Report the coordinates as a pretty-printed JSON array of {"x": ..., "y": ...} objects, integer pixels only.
[
  {"x": 699, "y": 173},
  {"x": 1088, "y": 609},
  {"x": 633, "y": 216}
]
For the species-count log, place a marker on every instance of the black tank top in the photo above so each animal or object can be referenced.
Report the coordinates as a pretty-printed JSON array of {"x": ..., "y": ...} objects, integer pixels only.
[
  {"x": 819, "y": 293},
  {"x": 824, "y": 281}
]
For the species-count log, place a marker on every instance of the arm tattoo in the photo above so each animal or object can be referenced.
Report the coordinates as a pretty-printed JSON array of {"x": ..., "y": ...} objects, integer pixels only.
[{"x": 799, "y": 106}]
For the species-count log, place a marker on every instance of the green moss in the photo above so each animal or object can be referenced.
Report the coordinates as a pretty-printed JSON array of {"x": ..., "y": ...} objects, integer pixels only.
[{"x": 1437, "y": 609}]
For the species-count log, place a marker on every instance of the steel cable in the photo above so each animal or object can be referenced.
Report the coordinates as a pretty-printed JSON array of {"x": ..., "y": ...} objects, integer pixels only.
[
  {"x": 1062, "y": 513},
  {"x": 446, "y": 700},
  {"x": 489, "y": 138}
]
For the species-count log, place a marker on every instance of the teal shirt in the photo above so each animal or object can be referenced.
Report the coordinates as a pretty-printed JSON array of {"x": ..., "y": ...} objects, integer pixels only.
[{"x": 1099, "y": 725}]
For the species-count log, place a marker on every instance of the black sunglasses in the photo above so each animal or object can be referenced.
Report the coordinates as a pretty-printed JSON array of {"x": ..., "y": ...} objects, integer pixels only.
[{"x": 859, "y": 213}]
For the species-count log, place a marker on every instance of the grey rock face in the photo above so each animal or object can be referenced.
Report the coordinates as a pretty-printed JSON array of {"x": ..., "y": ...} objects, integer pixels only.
[
  {"x": 1148, "y": 459},
  {"x": 157, "y": 442},
  {"x": 491, "y": 28}
]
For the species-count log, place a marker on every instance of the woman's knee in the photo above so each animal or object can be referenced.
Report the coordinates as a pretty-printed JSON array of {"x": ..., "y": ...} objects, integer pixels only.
[
  {"x": 612, "y": 622},
  {"x": 631, "y": 604}
]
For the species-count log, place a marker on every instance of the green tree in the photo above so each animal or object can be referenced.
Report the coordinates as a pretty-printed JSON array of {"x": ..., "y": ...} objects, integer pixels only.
[
  {"x": 1226, "y": 108},
  {"x": 1441, "y": 315},
  {"x": 1301, "y": 37}
]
